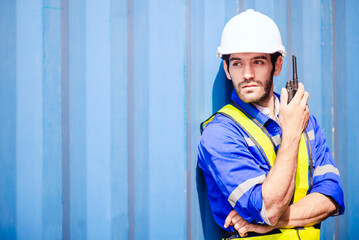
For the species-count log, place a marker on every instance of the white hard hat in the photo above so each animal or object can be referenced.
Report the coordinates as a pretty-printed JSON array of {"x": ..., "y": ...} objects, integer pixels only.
[{"x": 251, "y": 31}]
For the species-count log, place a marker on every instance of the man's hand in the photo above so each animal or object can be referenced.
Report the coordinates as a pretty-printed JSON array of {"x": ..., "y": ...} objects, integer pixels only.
[
  {"x": 294, "y": 117},
  {"x": 242, "y": 226}
]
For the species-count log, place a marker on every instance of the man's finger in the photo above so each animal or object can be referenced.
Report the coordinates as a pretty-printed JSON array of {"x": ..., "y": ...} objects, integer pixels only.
[
  {"x": 284, "y": 96},
  {"x": 300, "y": 89},
  {"x": 229, "y": 218},
  {"x": 239, "y": 225},
  {"x": 236, "y": 219},
  {"x": 299, "y": 94},
  {"x": 305, "y": 98}
]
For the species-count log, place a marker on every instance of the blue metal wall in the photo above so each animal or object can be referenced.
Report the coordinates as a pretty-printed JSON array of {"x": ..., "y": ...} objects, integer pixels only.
[{"x": 100, "y": 105}]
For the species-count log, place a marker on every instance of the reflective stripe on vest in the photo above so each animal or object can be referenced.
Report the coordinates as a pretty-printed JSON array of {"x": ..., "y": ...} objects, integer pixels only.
[
  {"x": 307, "y": 233},
  {"x": 265, "y": 146}
]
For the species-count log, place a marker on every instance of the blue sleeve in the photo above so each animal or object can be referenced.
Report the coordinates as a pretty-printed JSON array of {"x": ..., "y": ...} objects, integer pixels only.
[
  {"x": 227, "y": 161},
  {"x": 326, "y": 178}
]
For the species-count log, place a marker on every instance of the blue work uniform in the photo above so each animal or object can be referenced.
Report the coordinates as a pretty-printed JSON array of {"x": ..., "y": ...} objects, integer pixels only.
[{"x": 228, "y": 162}]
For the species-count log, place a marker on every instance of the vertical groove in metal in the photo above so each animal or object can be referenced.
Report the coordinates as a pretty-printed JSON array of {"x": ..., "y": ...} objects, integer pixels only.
[
  {"x": 119, "y": 119},
  {"x": 335, "y": 81},
  {"x": 78, "y": 42},
  {"x": 130, "y": 60},
  {"x": 335, "y": 99},
  {"x": 65, "y": 119},
  {"x": 325, "y": 104},
  {"x": 188, "y": 116},
  {"x": 342, "y": 227},
  {"x": 51, "y": 160}
]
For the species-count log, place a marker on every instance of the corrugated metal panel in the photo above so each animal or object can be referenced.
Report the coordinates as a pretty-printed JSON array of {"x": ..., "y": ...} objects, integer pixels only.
[
  {"x": 346, "y": 129},
  {"x": 101, "y": 103},
  {"x": 29, "y": 119},
  {"x": 77, "y": 119},
  {"x": 8, "y": 190},
  {"x": 352, "y": 117}
]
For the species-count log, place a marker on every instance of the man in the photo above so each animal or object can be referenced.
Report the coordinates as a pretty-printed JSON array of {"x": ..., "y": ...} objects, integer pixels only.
[{"x": 268, "y": 170}]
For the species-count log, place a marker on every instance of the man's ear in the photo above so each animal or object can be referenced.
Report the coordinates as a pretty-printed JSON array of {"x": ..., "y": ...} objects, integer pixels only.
[
  {"x": 225, "y": 66},
  {"x": 278, "y": 66}
]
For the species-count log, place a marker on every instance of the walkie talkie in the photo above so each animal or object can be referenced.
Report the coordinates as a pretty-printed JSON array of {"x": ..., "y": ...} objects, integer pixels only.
[{"x": 292, "y": 85}]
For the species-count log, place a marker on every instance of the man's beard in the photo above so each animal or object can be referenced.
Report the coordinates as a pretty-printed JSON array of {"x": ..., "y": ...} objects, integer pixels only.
[{"x": 267, "y": 87}]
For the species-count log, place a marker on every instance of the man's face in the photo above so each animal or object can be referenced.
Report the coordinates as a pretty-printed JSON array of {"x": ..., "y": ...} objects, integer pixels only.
[{"x": 252, "y": 77}]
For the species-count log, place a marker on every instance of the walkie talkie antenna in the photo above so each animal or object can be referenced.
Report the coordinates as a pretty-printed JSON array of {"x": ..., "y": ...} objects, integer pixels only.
[
  {"x": 292, "y": 85},
  {"x": 295, "y": 76}
]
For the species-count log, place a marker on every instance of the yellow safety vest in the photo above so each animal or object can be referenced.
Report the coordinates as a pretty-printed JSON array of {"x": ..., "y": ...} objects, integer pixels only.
[{"x": 263, "y": 141}]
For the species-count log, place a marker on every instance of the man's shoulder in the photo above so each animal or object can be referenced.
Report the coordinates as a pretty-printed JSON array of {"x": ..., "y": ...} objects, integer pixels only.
[
  {"x": 221, "y": 130},
  {"x": 221, "y": 137},
  {"x": 221, "y": 124}
]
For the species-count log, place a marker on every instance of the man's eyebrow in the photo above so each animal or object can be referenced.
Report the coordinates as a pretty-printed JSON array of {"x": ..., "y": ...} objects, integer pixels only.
[
  {"x": 234, "y": 58},
  {"x": 261, "y": 57},
  {"x": 257, "y": 57}
]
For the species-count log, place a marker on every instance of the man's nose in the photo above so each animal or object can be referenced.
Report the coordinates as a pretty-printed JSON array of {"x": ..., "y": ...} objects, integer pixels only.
[{"x": 248, "y": 72}]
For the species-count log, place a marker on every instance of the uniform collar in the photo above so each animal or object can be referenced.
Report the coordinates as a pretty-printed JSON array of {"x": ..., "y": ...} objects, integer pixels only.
[
  {"x": 251, "y": 109},
  {"x": 267, "y": 112}
]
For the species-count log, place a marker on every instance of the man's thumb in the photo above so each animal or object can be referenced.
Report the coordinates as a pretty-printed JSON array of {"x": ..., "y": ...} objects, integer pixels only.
[{"x": 243, "y": 231}]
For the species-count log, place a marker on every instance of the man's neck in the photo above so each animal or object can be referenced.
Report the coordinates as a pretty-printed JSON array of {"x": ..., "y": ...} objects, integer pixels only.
[{"x": 268, "y": 103}]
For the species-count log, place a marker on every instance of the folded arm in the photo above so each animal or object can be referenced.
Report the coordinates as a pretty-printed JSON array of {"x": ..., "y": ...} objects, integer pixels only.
[{"x": 308, "y": 211}]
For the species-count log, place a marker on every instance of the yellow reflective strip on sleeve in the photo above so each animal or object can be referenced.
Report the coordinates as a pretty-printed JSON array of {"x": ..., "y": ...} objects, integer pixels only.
[
  {"x": 255, "y": 131},
  {"x": 301, "y": 178}
]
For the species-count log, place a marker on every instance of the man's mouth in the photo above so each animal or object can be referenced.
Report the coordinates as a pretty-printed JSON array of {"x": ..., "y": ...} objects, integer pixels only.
[{"x": 250, "y": 85}]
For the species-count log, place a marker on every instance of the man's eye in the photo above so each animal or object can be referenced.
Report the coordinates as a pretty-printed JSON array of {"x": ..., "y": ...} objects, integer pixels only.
[
  {"x": 236, "y": 64},
  {"x": 258, "y": 62}
]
